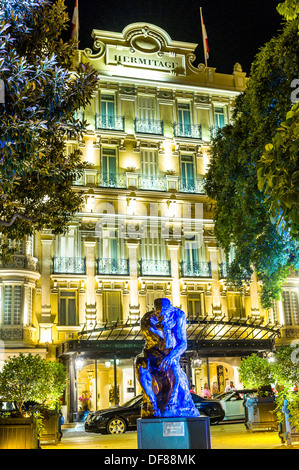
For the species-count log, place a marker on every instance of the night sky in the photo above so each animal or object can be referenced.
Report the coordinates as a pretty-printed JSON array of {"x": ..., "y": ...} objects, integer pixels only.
[{"x": 236, "y": 29}]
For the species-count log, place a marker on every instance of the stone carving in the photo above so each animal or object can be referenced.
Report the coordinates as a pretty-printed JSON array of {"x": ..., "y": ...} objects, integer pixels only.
[{"x": 164, "y": 384}]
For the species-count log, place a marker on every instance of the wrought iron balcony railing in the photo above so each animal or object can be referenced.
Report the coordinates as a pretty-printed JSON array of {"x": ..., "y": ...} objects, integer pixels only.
[
  {"x": 200, "y": 269},
  {"x": 63, "y": 265},
  {"x": 155, "y": 268},
  {"x": 110, "y": 180},
  {"x": 194, "y": 185},
  {"x": 155, "y": 183},
  {"x": 149, "y": 126},
  {"x": 114, "y": 123},
  {"x": 192, "y": 131},
  {"x": 113, "y": 266}
]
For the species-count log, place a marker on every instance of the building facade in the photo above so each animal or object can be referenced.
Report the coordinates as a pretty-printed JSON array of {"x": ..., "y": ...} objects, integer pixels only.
[{"x": 145, "y": 231}]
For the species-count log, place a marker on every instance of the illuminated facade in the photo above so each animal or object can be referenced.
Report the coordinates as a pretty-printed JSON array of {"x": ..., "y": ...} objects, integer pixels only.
[{"x": 145, "y": 231}]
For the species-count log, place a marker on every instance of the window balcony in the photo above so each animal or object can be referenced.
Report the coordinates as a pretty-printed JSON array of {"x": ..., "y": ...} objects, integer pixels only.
[
  {"x": 113, "y": 266},
  {"x": 194, "y": 185},
  {"x": 152, "y": 183},
  {"x": 192, "y": 131},
  {"x": 201, "y": 269},
  {"x": 113, "y": 123},
  {"x": 155, "y": 268},
  {"x": 224, "y": 267},
  {"x": 110, "y": 180},
  {"x": 149, "y": 126},
  {"x": 62, "y": 265}
]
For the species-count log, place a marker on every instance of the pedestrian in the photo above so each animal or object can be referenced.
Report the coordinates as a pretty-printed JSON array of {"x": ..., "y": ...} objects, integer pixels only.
[
  {"x": 192, "y": 389},
  {"x": 215, "y": 389},
  {"x": 230, "y": 387},
  {"x": 206, "y": 391}
]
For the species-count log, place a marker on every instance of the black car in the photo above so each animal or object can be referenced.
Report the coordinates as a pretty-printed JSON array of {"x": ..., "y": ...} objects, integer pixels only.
[{"x": 124, "y": 418}]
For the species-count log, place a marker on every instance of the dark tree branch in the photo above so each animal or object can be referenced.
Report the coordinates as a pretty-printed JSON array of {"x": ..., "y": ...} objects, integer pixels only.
[{"x": 12, "y": 220}]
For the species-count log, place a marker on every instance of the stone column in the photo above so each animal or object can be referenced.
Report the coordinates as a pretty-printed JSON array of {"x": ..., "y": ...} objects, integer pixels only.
[
  {"x": 216, "y": 303},
  {"x": 174, "y": 263},
  {"x": 134, "y": 307},
  {"x": 90, "y": 307},
  {"x": 255, "y": 310},
  {"x": 46, "y": 320}
]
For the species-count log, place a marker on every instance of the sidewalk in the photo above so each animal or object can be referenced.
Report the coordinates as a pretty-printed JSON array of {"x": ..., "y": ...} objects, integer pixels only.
[{"x": 223, "y": 436}]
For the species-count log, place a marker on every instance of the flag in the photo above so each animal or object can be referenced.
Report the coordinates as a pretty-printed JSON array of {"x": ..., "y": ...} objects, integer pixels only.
[
  {"x": 204, "y": 38},
  {"x": 75, "y": 22}
]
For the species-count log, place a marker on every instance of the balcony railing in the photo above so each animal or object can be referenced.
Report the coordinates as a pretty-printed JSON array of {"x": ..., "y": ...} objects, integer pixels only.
[
  {"x": 200, "y": 269},
  {"x": 155, "y": 268},
  {"x": 154, "y": 183},
  {"x": 192, "y": 131},
  {"x": 149, "y": 126},
  {"x": 114, "y": 123},
  {"x": 194, "y": 185},
  {"x": 62, "y": 265},
  {"x": 113, "y": 266},
  {"x": 109, "y": 180}
]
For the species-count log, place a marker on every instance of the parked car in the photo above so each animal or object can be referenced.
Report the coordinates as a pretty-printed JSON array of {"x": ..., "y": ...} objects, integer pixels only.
[
  {"x": 233, "y": 404},
  {"x": 124, "y": 418}
]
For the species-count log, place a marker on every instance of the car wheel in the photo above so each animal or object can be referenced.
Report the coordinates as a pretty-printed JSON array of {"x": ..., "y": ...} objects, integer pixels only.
[{"x": 116, "y": 426}]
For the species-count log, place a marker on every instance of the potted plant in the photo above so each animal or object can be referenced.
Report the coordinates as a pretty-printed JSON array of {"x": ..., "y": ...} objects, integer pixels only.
[
  {"x": 255, "y": 372},
  {"x": 285, "y": 370},
  {"x": 34, "y": 385}
]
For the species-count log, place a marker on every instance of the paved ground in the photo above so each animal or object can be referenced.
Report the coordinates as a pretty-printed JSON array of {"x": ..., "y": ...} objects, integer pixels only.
[{"x": 223, "y": 436}]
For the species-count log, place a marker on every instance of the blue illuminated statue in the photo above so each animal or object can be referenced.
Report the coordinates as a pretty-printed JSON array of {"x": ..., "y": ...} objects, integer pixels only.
[{"x": 164, "y": 384}]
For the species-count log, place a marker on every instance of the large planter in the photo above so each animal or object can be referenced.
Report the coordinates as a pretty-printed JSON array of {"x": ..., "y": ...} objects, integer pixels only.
[
  {"x": 51, "y": 432},
  {"x": 259, "y": 413},
  {"x": 18, "y": 433},
  {"x": 288, "y": 432}
]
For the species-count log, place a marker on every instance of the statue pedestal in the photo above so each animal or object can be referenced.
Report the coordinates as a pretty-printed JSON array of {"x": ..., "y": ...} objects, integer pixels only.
[{"x": 174, "y": 433}]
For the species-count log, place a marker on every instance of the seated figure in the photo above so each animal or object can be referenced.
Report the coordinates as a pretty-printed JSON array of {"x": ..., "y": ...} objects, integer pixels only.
[{"x": 165, "y": 386}]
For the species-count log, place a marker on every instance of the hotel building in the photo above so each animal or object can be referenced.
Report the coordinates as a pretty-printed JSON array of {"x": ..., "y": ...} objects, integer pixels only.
[{"x": 145, "y": 231}]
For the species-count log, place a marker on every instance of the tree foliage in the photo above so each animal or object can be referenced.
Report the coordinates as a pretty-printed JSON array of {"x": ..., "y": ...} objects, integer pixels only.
[
  {"x": 31, "y": 378},
  {"x": 255, "y": 372},
  {"x": 44, "y": 87},
  {"x": 242, "y": 216}
]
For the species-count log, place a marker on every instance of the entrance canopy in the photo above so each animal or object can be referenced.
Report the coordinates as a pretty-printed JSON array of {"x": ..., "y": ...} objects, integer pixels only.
[{"x": 207, "y": 336}]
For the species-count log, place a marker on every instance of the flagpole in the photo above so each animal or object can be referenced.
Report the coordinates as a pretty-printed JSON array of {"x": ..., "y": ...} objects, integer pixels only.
[{"x": 203, "y": 38}]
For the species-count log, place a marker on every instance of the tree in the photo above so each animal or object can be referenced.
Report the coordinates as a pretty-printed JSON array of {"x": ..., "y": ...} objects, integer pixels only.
[
  {"x": 278, "y": 172},
  {"x": 31, "y": 378},
  {"x": 44, "y": 87},
  {"x": 255, "y": 372},
  {"x": 242, "y": 216}
]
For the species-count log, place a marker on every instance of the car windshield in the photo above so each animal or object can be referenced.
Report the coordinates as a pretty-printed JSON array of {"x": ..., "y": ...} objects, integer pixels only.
[
  {"x": 223, "y": 395},
  {"x": 133, "y": 401}
]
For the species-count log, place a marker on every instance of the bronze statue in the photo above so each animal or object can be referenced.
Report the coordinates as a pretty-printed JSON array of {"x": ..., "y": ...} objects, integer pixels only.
[{"x": 165, "y": 385}]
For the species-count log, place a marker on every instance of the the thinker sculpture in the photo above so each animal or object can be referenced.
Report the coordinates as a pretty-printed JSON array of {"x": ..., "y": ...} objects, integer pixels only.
[{"x": 165, "y": 386}]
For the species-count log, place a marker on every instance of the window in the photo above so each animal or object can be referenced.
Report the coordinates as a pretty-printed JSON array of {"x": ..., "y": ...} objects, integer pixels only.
[
  {"x": 107, "y": 117},
  {"x": 12, "y": 304},
  {"x": 219, "y": 118},
  {"x": 149, "y": 163},
  {"x": 184, "y": 118},
  {"x": 67, "y": 308},
  {"x": 112, "y": 307},
  {"x": 290, "y": 307},
  {"x": 194, "y": 305},
  {"x": 234, "y": 305},
  {"x": 146, "y": 105},
  {"x": 69, "y": 244},
  {"x": 187, "y": 173},
  {"x": 109, "y": 167}
]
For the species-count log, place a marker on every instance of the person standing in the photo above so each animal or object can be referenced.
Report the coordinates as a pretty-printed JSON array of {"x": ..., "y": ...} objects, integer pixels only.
[
  {"x": 206, "y": 391},
  {"x": 230, "y": 387}
]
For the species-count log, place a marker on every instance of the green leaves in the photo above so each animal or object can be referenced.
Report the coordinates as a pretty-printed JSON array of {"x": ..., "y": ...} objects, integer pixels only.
[
  {"x": 255, "y": 372},
  {"x": 253, "y": 171},
  {"x": 31, "y": 378},
  {"x": 42, "y": 92}
]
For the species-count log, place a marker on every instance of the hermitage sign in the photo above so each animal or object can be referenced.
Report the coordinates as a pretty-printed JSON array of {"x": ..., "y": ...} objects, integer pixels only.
[{"x": 162, "y": 62}]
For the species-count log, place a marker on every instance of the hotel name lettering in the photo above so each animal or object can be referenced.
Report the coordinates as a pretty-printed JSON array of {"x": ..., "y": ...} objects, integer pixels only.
[{"x": 165, "y": 63}]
